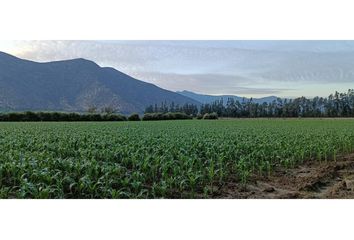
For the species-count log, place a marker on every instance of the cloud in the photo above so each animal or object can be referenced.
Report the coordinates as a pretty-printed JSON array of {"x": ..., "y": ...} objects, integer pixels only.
[
  {"x": 209, "y": 83},
  {"x": 120, "y": 55},
  {"x": 213, "y": 67}
]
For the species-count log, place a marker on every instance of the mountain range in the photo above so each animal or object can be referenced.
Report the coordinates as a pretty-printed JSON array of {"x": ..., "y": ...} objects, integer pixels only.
[
  {"x": 80, "y": 84},
  {"x": 202, "y": 98},
  {"x": 75, "y": 85}
]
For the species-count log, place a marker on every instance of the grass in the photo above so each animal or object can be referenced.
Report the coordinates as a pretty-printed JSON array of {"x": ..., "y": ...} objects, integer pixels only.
[{"x": 168, "y": 159}]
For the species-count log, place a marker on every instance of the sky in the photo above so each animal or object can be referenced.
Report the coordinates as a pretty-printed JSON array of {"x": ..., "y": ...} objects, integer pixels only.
[{"x": 243, "y": 68}]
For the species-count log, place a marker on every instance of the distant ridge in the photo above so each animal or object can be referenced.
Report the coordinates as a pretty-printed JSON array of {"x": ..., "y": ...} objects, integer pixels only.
[
  {"x": 203, "y": 98},
  {"x": 75, "y": 85}
]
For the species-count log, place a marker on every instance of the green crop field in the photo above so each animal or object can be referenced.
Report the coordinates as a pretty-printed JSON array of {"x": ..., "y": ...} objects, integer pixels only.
[{"x": 165, "y": 159}]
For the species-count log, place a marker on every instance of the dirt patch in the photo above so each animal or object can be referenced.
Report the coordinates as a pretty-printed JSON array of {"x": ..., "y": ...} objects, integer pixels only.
[{"x": 313, "y": 179}]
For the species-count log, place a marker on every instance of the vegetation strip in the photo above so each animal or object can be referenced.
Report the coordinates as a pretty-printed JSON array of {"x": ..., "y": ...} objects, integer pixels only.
[{"x": 335, "y": 105}]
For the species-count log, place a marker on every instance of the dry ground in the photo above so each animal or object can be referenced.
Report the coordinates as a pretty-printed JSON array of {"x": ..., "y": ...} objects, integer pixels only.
[{"x": 332, "y": 179}]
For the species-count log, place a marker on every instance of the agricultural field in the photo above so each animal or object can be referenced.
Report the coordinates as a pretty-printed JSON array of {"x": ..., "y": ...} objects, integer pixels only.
[{"x": 165, "y": 159}]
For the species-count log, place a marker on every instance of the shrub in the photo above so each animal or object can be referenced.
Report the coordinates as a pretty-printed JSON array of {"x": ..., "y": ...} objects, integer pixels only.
[
  {"x": 107, "y": 117},
  {"x": 179, "y": 115},
  {"x": 165, "y": 116},
  {"x": 150, "y": 117},
  {"x": 74, "y": 117},
  {"x": 95, "y": 117},
  {"x": 15, "y": 117},
  {"x": 210, "y": 116},
  {"x": 199, "y": 116},
  {"x": 58, "y": 116},
  {"x": 44, "y": 116},
  {"x": 113, "y": 117},
  {"x": 30, "y": 116},
  {"x": 134, "y": 117}
]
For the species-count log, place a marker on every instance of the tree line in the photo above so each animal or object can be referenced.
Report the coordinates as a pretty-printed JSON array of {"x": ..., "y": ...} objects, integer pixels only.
[
  {"x": 335, "y": 105},
  {"x": 189, "y": 109}
]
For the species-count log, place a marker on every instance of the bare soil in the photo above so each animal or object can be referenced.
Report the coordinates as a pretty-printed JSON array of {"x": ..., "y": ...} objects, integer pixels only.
[{"x": 313, "y": 179}]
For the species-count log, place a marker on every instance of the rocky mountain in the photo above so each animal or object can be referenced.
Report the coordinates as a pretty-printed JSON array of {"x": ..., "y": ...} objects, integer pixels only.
[{"x": 75, "y": 85}]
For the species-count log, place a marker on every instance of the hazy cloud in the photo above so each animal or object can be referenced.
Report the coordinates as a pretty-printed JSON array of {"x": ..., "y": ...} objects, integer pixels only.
[
  {"x": 215, "y": 67},
  {"x": 209, "y": 83}
]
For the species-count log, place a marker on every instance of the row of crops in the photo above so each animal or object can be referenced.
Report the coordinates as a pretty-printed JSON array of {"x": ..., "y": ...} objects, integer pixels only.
[{"x": 169, "y": 159}]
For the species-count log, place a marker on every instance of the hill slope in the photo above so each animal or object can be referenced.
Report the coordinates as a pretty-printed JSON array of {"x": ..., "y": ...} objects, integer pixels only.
[{"x": 75, "y": 85}]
